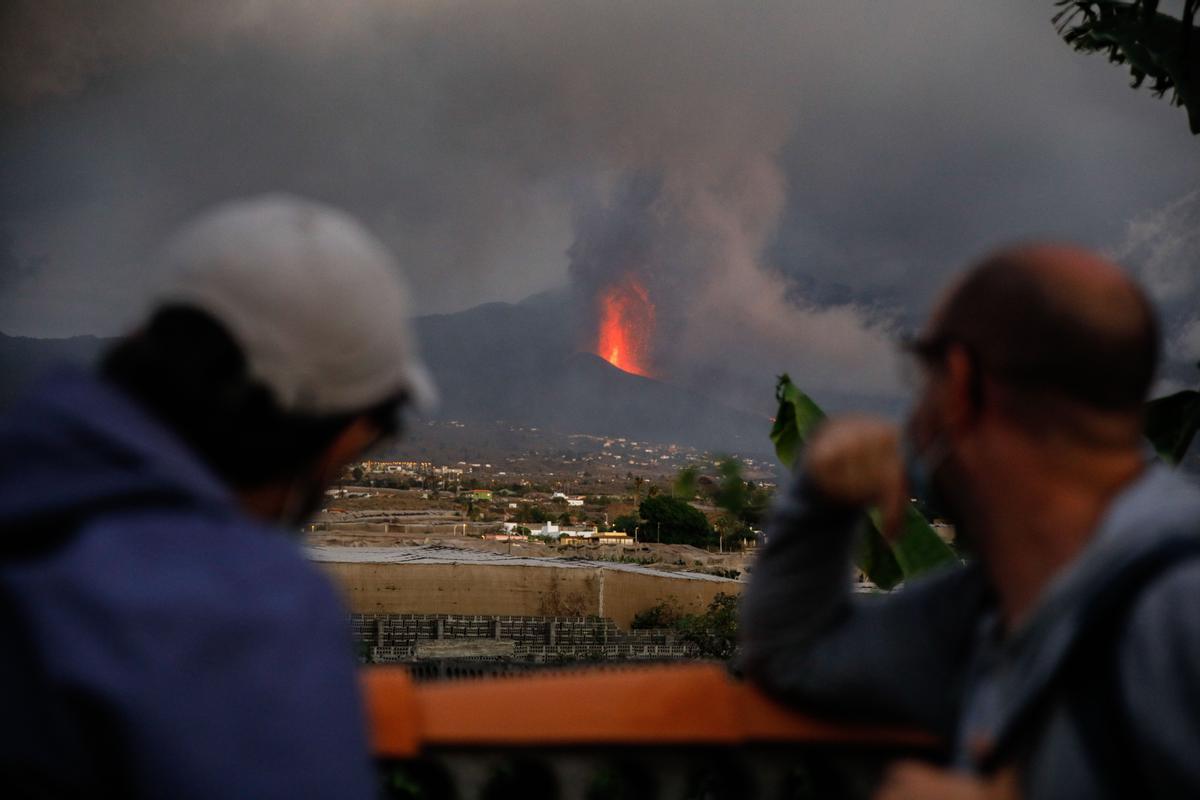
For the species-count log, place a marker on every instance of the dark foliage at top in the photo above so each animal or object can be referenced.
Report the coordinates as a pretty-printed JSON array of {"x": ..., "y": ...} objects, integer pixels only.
[{"x": 1156, "y": 47}]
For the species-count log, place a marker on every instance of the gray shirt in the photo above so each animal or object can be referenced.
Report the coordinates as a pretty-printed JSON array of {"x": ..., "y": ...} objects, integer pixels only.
[{"x": 931, "y": 654}]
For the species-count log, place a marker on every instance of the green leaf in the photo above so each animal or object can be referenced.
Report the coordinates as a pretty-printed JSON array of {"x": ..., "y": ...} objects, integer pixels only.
[
  {"x": 875, "y": 558},
  {"x": 687, "y": 482},
  {"x": 1172, "y": 422},
  {"x": 795, "y": 420},
  {"x": 918, "y": 548},
  {"x": 1150, "y": 43}
]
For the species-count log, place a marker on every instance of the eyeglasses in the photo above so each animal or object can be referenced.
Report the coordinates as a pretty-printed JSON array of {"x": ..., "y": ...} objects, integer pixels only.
[
  {"x": 930, "y": 350},
  {"x": 918, "y": 356}
]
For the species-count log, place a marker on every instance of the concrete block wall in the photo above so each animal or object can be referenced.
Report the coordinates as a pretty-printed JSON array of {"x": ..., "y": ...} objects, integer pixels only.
[
  {"x": 519, "y": 590},
  {"x": 393, "y": 637}
]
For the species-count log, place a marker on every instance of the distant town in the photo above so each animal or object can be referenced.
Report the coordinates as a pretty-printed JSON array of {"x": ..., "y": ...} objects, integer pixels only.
[
  {"x": 468, "y": 547},
  {"x": 525, "y": 482}
]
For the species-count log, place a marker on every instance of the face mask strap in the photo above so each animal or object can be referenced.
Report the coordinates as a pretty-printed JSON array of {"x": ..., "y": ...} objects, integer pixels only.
[{"x": 920, "y": 467}]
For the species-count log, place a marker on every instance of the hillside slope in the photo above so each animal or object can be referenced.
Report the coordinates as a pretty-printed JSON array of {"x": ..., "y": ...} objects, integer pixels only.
[{"x": 500, "y": 361}]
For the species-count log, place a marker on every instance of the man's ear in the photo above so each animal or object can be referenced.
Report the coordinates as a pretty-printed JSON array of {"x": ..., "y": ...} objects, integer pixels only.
[
  {"x": 961, "y": 400},
  {"x": 350, "y": 444}
]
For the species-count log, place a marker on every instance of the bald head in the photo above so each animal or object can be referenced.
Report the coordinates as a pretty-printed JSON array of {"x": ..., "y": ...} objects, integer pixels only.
[{"x": 1055, "y": 320}]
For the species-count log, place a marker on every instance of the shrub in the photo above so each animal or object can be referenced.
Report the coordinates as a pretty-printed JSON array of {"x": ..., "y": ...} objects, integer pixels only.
[{"x": 664, "y": 615}]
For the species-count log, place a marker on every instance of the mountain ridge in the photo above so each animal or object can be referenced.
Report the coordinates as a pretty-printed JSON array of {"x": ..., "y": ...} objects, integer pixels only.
[{"x": 516, "y": 362}]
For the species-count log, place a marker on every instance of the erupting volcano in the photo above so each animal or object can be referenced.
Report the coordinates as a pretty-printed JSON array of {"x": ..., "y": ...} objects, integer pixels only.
[{"x": 626, "y": 325}]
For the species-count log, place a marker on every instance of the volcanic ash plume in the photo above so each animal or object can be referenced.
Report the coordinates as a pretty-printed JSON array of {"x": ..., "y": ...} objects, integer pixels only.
[
  {"x": 668, "y": 274},
  {"x": 667, "y": 261},
  {"x": 451, "y": 127}
]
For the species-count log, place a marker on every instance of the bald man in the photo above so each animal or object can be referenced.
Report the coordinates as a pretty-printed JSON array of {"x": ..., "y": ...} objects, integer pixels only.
[{"x": 1065, "y": 660}]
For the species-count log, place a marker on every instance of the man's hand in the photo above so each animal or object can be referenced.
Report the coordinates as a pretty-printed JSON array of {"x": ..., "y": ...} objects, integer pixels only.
[
  {"x": 856, "y": 461},
  {"x": 912, "y": 780}
]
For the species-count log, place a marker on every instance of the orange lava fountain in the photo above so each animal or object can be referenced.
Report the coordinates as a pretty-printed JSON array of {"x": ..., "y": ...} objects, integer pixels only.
[{"x": 626, "y": 325}]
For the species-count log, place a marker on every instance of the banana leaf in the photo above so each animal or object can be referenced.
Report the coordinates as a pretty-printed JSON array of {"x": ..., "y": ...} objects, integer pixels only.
[
  {"x": 1171, "y": 424},
  {"x": 916, "y": 550},
  {"x": 1149, "y": 43}
]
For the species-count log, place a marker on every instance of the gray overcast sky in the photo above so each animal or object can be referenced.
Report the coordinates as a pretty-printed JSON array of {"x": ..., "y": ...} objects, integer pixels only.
[{"x": 886, "y": 144}]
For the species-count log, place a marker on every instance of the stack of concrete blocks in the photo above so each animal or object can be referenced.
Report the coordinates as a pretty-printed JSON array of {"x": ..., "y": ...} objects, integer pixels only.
[{"x": 391, "y": 638}]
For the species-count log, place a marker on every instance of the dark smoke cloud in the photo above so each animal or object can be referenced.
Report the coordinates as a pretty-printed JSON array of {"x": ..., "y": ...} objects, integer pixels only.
[
  {"x": 757, "y": 160},
  {"x": 720, "y": 316},
  {"x": 13, "y": 268}
]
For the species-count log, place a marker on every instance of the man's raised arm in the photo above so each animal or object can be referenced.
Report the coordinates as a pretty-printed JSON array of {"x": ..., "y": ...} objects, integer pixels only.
[{"x": 809, "y": 640}]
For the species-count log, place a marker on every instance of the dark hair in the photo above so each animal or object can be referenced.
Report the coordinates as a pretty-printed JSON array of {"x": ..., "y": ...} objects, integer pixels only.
[
  {"x": 187, "y": 370},
  {"x": 1037, "y": 334}
]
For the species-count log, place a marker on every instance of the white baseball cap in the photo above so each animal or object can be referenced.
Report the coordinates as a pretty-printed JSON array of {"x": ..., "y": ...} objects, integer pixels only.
[{"x": 317, "y": 304}]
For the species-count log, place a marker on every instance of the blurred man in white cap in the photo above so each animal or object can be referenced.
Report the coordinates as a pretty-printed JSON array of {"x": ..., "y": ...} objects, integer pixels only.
[{"x": 161, "y": 635}]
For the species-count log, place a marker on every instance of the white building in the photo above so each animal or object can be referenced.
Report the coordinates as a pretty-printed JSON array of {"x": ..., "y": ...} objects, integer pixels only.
[
  {"x": 571, "y": 501},
  {"x": 550, "y": 530}
]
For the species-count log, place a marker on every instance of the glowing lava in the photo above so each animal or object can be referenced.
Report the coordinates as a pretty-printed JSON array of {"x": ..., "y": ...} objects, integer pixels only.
[{"x": 626, "y": 325}]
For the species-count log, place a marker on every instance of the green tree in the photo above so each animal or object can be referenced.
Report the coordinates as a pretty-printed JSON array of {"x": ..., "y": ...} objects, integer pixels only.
[
  {"x": 531, "y": 513},
  {"x": 715, "y": 631},
  {"x": 686, "y": 483},
  {"x": 626, "y": 523},
  {"x": 1158, "y": 48},
  {"x": 733, "y": 496},
  {"x": 665, "y": 614},
  {"x": 673, "y": 521}
]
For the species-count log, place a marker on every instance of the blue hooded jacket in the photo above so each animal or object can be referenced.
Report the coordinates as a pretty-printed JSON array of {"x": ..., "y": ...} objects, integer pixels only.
[{"x": 154, "y": 640}]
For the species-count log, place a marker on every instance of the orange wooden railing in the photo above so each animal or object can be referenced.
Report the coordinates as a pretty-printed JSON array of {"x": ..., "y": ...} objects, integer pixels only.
[{"x": 667, "y": 705}]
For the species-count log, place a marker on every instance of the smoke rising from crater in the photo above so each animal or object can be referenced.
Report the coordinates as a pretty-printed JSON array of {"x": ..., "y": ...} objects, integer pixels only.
[{"x": 722, "y": 319}]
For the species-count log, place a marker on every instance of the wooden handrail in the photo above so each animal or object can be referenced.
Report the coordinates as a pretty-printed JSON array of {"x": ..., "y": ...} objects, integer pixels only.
[{"x": 688, "y": 704}]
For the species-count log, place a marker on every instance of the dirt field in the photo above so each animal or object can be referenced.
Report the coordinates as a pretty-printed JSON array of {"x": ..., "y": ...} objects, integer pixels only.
[
  {"x": 519, "y": 589},
  {"x": 665, "y": 557}
]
